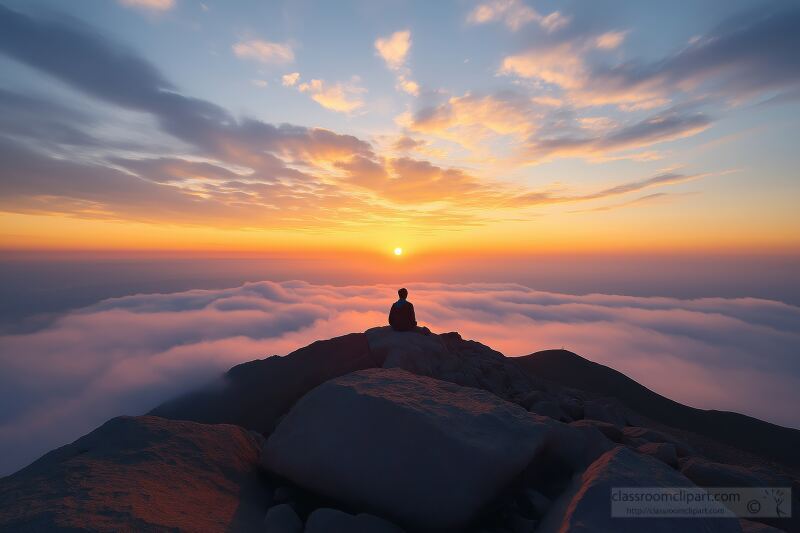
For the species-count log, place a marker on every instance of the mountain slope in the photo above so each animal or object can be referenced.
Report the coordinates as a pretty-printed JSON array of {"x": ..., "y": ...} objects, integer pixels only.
[
  {"x": 254, "y": 394},
  {"x": 741, "y": 431}
]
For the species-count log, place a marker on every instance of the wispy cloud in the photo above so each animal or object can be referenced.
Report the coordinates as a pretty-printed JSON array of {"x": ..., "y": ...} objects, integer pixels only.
[
  {"x": 150, "y": 5},
  {"x": 285, "y": 176},
  {"x": 515, "y": 14},
  {"x": 264, "y": 51},
  {"x": 747, "y": 55}
]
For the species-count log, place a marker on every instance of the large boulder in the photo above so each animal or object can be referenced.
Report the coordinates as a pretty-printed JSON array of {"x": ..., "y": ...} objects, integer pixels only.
[
  {"x": 586, "y": 504},
  {"x": 141, "y": 474},
  {"x": 282, "y": 519},
  {"x": 426, "y": 453}
]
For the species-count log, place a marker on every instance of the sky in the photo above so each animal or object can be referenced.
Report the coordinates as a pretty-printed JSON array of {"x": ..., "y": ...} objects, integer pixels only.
[
  {"x": 499, "y": 126},
  {"x": 188, "y": 185}
]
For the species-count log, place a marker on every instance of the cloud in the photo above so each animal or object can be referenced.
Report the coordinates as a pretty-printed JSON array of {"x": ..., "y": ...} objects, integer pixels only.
[
  {"x": 610, "y": 40},
  {"x": 539, "y": 130},
  {"x": 264, "y": 51},
  {"x": 224, "y": 171},
  {"x": 470, "y": 119},
  {"x": 150, "y": 5},
  {"x": 749, "y": 55},
  {"x": 593, "y": 144},
  {"x": 515, "y": 14},
  {"x": 289, "y": 80},
  {"x": 339, "y": 97},
  {"x": 394, "y": 51},
  {"x": 260, "y": 83},
  {"x": 126, "y": 355}
]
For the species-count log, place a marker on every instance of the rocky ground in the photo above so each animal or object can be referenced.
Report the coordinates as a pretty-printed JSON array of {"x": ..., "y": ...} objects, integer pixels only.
[{"x": 389, "y": 432}]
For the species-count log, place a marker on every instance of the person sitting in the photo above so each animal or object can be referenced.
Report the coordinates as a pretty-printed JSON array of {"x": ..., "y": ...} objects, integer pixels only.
[{"x": 401, "y": 315}]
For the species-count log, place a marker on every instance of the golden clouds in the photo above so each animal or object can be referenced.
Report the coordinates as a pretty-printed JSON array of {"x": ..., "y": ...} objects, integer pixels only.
[
  {"x": 394, "y": 51},
  {"x": 339, "y": 97}
]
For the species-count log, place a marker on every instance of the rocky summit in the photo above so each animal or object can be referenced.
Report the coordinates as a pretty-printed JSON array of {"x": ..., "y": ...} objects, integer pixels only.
[{"x": 388, "y": 432}]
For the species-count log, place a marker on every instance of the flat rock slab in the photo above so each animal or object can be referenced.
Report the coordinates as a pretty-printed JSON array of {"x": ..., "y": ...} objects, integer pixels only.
[
  {"x": 422, "y": 452},
  {"x": 141, "y": 474}
]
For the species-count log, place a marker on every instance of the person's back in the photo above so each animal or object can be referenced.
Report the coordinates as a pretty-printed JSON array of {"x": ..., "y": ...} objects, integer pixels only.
[{"x": 401, "y": 315}]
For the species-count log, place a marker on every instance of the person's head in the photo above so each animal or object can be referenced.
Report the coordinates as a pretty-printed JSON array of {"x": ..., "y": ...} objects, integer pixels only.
[{"x": 403, "y": 293}]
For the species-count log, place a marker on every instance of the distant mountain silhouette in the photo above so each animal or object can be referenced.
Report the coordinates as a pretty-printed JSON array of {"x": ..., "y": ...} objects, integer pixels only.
[
  {"x": 388, "y": 431},
  {"x": 747, "y": 433}
]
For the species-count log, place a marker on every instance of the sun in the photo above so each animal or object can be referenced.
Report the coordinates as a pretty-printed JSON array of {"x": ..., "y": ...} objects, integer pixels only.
[{"x": 398, "y": 251}]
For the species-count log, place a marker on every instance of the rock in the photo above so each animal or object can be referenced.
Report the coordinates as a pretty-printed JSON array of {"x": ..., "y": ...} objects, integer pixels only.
[
  {"x": 578, "y": 446},
  {"x": 573, "y": 407},
  {"x": 652, "y": 435},
  {"x": 586, "y": 506},
  {"x": 663, "y": 451},
  {"x": 255, "y": 395},
  {"x": 749, "y": 526},
  {"x": 520, "y": 524},
  {"x": 282, "y": 519},
  {"x": 141, "y": 474},
  {"x": 424, "y": 355},
  {"x": 603, "y": 411},
  {"x": 551, "y": 409},
  {"x": 450, "y": 358},
  {"x": 611, "y": 431},
  {"x": 423, "y": 452},
  {"x": 527, "y": 399},
  {"x": 326, "y": 520},
  {"x": 283, "y": 495},
  {"x": 537, "y": 502},
  {"x": 710, "y": 474}
]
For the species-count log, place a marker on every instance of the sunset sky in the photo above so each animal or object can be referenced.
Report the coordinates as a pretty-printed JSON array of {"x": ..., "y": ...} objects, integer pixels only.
[{"x": 362, "y": 126}]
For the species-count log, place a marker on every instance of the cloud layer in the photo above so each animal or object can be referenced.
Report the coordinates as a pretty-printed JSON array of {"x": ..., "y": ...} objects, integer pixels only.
[{"x": 126, "y": 355}]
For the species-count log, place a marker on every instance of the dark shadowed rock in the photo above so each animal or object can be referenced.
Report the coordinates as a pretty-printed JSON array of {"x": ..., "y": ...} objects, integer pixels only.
[
  {"x": 550, "y": 408},
  {"x": 639, "y": 434},
  {"x": 448, "y": 357},
  {"x": 604, "y": 411},
  {"x": 611, "y": 431},
  {"x": 710, "y": 474},
  {"x": 734, "y": 429},
  {"x": 282, "y": 519},
  {"x": 141, "y": 474},
  {"x": 586, "y": 505},
  {"x": 423, "y": 452},
  {"x": 326, "y": 520},
  {"x": 749, "y": 526},
  {"x": 663, "y": 451},
  {"x": 255, "y": 394}
]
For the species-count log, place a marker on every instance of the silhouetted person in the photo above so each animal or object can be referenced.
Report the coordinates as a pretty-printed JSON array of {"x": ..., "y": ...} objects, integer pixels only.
[{"x": 401, "y": 315}]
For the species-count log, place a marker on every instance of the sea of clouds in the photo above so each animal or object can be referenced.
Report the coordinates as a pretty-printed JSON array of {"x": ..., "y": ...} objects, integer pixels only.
[{"x": 126, "y": 355}]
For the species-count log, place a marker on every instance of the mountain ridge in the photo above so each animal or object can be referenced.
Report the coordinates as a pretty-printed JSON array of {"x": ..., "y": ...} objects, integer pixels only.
[{"x": 424, "y": 398}]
